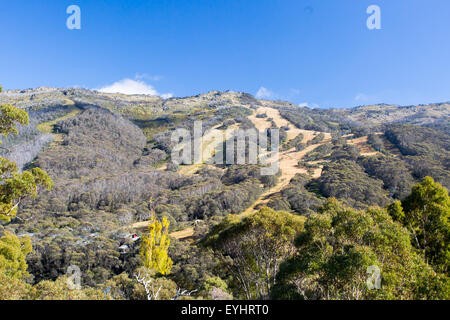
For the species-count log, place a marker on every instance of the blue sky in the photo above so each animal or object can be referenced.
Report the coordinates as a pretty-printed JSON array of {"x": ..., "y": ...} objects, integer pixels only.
[{"x": 311, "y": 52}]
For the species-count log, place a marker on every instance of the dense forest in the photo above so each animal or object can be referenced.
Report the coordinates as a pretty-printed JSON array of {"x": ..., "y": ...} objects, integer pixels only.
[{"x": 88, "y": 183}]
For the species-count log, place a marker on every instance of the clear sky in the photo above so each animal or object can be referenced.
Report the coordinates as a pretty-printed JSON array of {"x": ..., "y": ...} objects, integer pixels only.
[{"x": 313, "y": 52}]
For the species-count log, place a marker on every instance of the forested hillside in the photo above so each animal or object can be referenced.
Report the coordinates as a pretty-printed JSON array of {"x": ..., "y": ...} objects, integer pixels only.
[{"x": 359, "y": 187}]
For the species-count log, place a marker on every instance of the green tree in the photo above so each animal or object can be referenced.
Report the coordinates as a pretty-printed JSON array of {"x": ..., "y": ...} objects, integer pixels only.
[
  {"x": 10, "y": 116},
  {"x": 395, "y": 210},
  {"x": 217, "y": 289},
  {"x": 13, "y": 252},
  {"x": 338, "y": 246},
  {"x": 13, "y": 266},
  {"x": 14, "y": 185},
  {"x": 426, "y": 215},
  {"x": 253, "y": 248},
  {"x": 122, "y": 287},
  {"x": 60, "y": 290}
]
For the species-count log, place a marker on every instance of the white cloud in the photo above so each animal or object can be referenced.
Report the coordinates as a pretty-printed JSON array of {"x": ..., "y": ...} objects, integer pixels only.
[
  {"x": 167, "y": 95},
  {"x": 264, "y": 93},
  {"x": 130, "y": 86},
  {"x": 303, "y": 104}
]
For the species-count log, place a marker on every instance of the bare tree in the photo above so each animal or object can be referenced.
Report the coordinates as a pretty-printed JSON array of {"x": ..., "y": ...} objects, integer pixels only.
[
  {"x": 181, "y": 292},
  {"x": 149, "y": 285}
]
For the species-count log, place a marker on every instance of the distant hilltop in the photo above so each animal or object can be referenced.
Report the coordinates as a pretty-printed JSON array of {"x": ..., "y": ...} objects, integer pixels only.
[{"x": 135, "y": 105}]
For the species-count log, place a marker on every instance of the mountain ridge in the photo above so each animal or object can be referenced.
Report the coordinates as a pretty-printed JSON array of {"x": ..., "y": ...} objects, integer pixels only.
[{"x": 146, "y": 97}]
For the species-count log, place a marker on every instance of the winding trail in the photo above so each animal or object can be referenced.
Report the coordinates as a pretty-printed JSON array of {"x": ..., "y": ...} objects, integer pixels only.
[
  {"x": 288, "y": 160},
  {"x": 364, "y": 148}
]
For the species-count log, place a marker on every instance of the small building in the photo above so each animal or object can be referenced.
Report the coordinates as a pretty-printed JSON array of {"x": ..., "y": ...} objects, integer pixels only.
[
  {"x": 130, "y": 238},
  {"x": 124, "y": 249}
]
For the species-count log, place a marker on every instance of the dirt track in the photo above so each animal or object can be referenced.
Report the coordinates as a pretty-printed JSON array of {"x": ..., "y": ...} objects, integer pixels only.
[
  {"x": 288, "y": 160},
  {"x": 364, "y": 148}
]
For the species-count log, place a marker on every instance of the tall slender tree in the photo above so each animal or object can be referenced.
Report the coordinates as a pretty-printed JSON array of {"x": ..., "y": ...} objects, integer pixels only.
[
  {"x": 155, "y": 259},
  {"x": 155, "y": 246}
]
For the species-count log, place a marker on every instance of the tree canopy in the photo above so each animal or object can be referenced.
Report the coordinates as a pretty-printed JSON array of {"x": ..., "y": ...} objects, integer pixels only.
[
  {"x": 253, "y": 248},
  {"x": 340, "y": 245},
  {"x": 425, "y": 213}
]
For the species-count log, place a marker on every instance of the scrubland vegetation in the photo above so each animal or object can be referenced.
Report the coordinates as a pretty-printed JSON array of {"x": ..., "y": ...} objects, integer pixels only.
[{"x": 84, "y": 171}]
